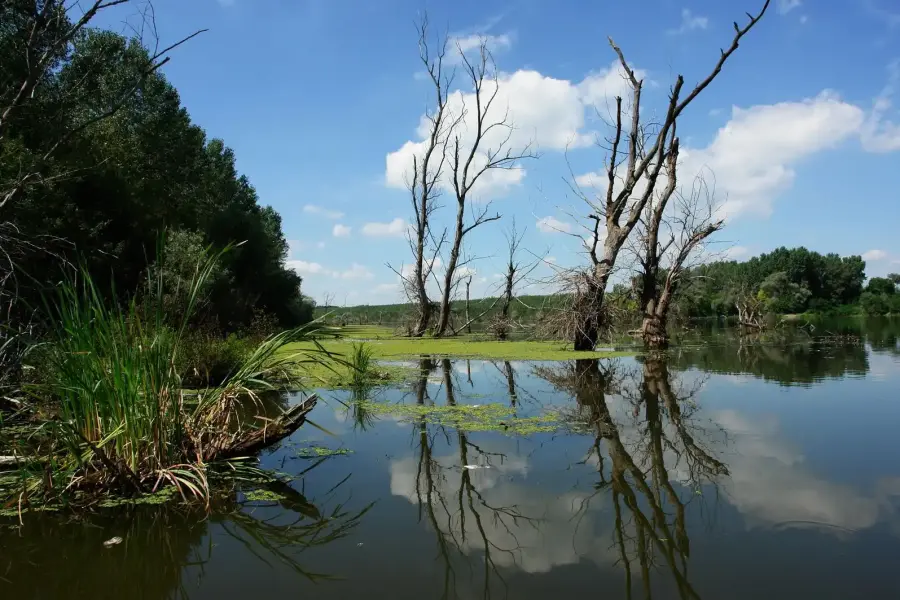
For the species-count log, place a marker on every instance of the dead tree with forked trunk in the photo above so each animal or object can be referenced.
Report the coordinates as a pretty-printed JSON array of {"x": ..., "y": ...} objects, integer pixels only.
[
  {"x": 424, "y": 186},
  {"x": 674, "y": 227},
  {"x": 638, "y": 154},
  {"x": 479, "y": 141}
]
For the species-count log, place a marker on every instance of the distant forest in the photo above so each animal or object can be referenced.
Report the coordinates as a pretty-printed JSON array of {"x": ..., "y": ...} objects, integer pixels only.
[{"x": 784, "y": 281}]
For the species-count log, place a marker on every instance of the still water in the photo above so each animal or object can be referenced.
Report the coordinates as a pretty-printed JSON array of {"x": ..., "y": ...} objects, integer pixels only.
[{"x": 735, "y": 469}]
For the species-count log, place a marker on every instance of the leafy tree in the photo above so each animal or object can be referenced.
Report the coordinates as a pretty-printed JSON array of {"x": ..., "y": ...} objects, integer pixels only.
[
  {"x": 882, "y": 286},
  {"x": 110, "y": 189}
]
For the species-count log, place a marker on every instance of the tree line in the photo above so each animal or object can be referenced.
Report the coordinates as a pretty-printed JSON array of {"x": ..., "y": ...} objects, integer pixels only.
[{"x": 100, "y": 161}]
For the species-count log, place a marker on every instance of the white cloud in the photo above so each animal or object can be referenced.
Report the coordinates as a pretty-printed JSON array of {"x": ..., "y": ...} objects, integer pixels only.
[
  {"x": 306, "y": 268},
  {"x": 598, "y": 89},
  {"x": 545, "y": 112},
  {"x": 785, "y": 6},
  {"x": 880, "y": 134},
  {"x": 356, "y": 271},
  {"x": 312, "y": 209},
  {"x": 458, "y": 45},
  {"x": 553, "y": 225},
  {"x": 320, "y": 245},
  {"x": 395, "y": 228},
  {"x": 752, "y": 158},
  {"x": 874, "y": 255},
  {"x": 689, "y": 22},
  {"x": 341, "y": 230}
]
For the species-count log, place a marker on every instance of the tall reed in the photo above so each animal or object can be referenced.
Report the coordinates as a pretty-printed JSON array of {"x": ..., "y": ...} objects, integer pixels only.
[{"x": 124, "y": 415}]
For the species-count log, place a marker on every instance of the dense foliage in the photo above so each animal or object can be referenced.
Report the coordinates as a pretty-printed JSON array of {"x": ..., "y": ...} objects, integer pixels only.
[
  {"x": 109, "y": 188},
  {"x": 881, "y": 296},
  {"x": 786, "y": 280}
]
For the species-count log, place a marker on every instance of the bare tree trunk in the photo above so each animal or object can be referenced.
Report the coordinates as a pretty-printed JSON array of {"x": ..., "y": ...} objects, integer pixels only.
[
  {"x": 510, "y": 374},
  {"x": 468, "y": 321},
  {"x": 636, "y": 158},
  {"x": 427, "y": 171},
  {"x": 468, "y": 165}
]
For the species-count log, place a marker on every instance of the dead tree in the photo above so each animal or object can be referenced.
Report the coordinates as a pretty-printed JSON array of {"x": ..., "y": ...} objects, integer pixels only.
[
  {"x": 488, "y": 147},
  {"x": 468, "y": 295},
  {"x": 50, "y": 27},
  {"x": 632, "y": 174},
  {"x": 424, "y": 187},
  {"x": 516, "y": 271},
  {"x": 670, "y": 233}
]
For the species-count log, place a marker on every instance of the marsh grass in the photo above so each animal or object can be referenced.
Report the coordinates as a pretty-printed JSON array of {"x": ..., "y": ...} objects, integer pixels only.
[{"x": 125, "y": 421}]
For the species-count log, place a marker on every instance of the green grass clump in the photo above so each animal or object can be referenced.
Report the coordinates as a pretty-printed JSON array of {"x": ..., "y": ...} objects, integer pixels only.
[{"x": 125, "y": 422}]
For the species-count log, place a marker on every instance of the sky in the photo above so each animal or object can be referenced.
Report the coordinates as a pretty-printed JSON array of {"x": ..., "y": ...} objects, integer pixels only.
[{"x": 322, "y": 102}]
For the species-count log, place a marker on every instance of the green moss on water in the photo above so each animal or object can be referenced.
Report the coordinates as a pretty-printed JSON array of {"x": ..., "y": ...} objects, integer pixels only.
[
  {"x": 385, "y": 346},
  {"x": 160, "y": 496},
  {"x": 395, "y": 348},
  {"x": 262, "y": 496},
  {"x": 320, "y": 451},
  {"x": 500, "y": 418}
]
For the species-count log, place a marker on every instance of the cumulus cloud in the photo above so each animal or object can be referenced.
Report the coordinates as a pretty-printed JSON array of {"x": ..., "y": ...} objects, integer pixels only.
[
  {"x": 306, "y": 268},
  {"x": 551, "y": 224},
  {"x": 547, "y": 113},
  {"x": 462, "y": 44},
  {"x": 874, "y": 255},
  {"x": 879, "y": 133},
  {"x": 340, "y": 230},
  {"x": 356, "y": 271},
  {"x": 321, "y": 211},
  {"x": 689, "y": 22},
  {"x": 752, "y": 158},
  {"x": 395, "y": 228}
]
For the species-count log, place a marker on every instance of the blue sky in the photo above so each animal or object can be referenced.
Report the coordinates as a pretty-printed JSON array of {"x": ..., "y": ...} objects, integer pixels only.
[{"x": 801, "y": 130}]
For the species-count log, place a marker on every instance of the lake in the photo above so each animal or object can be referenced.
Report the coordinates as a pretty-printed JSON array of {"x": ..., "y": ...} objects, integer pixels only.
[{"x": 737, "y": 468}]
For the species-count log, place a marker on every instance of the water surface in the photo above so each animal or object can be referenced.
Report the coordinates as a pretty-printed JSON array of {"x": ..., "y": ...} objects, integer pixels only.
[{"x": 739, "y": 468}]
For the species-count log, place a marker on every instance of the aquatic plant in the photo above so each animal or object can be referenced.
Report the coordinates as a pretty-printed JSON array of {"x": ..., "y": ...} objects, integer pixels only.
[
  {"x": 124, "y": 419},
  {"x": 361, "y": 363}
]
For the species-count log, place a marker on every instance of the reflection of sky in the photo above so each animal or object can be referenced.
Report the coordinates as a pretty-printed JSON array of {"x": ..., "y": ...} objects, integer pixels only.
[
  {"x": 798, "y": 458},
  {"x": 771, "y": 484}
]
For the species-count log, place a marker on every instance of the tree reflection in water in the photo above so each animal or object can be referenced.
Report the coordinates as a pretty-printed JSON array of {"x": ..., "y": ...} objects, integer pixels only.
[
  {"x": 634, "y": 460},
  {"x": 456, "y": 510}
]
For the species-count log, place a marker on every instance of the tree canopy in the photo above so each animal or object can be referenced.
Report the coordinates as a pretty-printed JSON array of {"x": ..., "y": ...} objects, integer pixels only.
[
  {"x": 787, "y": 280},
  {"x": 120, "y": 162}
]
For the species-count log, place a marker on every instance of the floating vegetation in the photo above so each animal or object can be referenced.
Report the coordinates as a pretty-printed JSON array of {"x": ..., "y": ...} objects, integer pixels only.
[
  {"x": 320, "y": 451},
  {"x": 261, "y": 495},
  {"x": 469, "y": 417}
]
